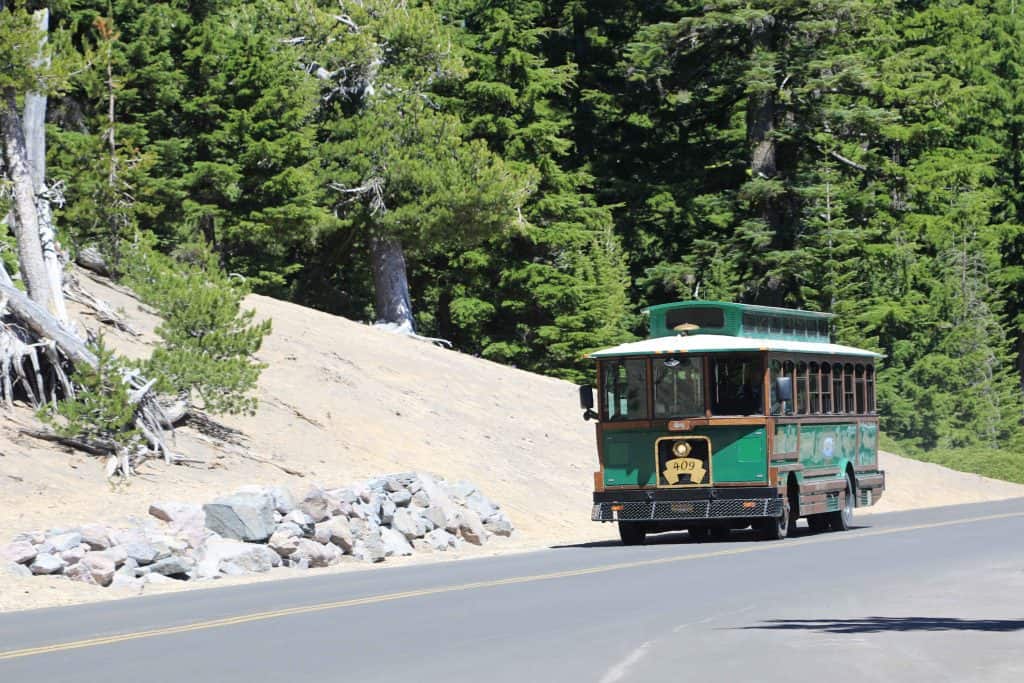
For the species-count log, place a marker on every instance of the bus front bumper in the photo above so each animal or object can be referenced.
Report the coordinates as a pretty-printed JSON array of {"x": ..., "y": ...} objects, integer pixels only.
[{"x": 641, "y": 505}]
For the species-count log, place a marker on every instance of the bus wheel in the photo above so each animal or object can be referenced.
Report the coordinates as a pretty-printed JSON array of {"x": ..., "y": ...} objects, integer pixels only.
[
  {"x": 818, "y": 523},
  {"x": 842, "y": 519},
  {"x": 632, "y": 533},
  {"x": 776, "y": 528}
]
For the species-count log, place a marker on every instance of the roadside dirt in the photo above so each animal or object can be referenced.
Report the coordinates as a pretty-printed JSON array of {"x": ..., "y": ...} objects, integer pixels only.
[{"x": 341, "y": 401}]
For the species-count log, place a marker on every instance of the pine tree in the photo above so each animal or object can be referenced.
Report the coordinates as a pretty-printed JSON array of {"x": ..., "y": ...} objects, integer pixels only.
[{"x": 541, "y": 296}]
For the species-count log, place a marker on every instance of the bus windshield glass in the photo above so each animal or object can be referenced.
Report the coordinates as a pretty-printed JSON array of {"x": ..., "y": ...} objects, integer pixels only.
[
  {"x": 624, "y": 385},
  {"x": 678, "y": 386}
]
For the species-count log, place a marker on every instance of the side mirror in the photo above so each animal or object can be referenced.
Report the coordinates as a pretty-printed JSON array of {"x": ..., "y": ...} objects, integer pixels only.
[
  {"x": 587, "y": 402},
  {"x": 587, "y": 397},
  {"x": 784, "y": 388}
]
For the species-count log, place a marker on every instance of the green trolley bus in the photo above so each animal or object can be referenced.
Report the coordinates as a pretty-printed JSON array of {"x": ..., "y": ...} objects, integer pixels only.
[{"x": 729, "y": 416}]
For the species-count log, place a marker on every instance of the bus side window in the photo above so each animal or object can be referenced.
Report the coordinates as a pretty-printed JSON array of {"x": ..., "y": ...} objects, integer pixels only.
[
  {"x": 814, "y": 392},
  {"x": 869, "y": 375},
  {"x": 837, "y": 388},
  {"x": 776, "y": 405},
  {"x": 737, "y": 388},
  {"x": 851, "y": 404},
  {"x": 800, "y": 388},
  {"x": 826, "y": 388},
  {"x": 861, "y": 397}
]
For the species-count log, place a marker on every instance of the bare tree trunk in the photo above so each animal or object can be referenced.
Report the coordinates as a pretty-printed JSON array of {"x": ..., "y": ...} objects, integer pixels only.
[
  {"x": 43, "y": 324},
  {"x": 26, "y": 217},
  {"x": 390, "y": 282},
  {"x": 5, "y": 278},
  {"x": 34, "y": 124},
  {"x": 761, "y": 114}
]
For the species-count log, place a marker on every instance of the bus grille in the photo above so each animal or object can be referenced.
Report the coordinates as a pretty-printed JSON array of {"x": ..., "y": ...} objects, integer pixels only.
[{"x": 635, "y": 511}]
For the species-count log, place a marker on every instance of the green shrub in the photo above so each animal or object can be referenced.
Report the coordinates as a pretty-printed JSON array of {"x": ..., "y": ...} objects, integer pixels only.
[
  {"x": 100, "y": 410},
  {"x": 208, "y": 340}
]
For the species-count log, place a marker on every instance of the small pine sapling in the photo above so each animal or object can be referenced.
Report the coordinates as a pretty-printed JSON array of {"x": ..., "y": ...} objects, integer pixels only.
[
  {"x": 101, "y": 412},
  {"x": 208, "y": 340}
]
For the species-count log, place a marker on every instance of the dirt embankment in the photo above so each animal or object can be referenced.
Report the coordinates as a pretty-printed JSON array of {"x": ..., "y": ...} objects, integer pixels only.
[{"x": 341, "y": 401}]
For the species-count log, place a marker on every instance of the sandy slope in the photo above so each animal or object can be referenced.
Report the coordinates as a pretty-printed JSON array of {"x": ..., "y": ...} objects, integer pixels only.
[{"x": 341, "y": 401}]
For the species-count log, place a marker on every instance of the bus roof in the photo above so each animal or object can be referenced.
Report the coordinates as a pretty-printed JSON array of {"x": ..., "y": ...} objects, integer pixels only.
[
  {"x": 717, "y": 343},
  {"x": 738, "y": 320}
]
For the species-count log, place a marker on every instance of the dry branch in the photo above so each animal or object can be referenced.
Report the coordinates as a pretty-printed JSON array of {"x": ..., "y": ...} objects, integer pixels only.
[
  {"x": 91, "y": 446},
  {"x": 101, "y": 309}
]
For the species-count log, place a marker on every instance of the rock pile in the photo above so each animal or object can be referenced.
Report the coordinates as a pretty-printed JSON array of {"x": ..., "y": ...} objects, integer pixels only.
[{"x": 257, "y": 528}]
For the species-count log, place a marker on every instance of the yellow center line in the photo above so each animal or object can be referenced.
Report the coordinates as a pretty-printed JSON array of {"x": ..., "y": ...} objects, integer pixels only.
[{"x": 389, "y": 597}]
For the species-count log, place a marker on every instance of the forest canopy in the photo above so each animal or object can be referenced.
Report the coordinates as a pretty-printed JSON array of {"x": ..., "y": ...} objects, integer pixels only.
[{"x": 523, "y": 177}]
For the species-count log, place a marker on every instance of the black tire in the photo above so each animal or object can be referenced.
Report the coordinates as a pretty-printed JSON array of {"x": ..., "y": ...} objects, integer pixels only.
[
  {"x": 632, "y": 533},
  {"x": 842, "y": 519},
  {"x": 818, "y": 523},
  {"x": 720, "y": 533},
  {"x": 776, "y": 528},
  {"x": 698, "y": 533}
]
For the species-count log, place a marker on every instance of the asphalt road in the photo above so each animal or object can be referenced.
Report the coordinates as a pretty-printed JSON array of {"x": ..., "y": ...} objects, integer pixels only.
[{"x": 933, "y": 595}]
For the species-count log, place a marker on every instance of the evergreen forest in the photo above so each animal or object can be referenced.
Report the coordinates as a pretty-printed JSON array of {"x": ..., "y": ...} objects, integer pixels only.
[{"x": 523, "y": 177}]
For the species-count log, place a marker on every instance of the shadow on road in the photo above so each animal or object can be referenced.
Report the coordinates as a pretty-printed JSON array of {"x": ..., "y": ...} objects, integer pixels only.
[
  {"x": 881, "y": 624},
  {"x": 683, "y": 538}
]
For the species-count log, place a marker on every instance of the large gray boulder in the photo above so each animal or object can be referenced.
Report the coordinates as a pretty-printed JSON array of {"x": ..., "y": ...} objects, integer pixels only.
[
  {"x": 283, "y": 500},
  {"x": 471, "y": 528},
  {"x": 499, "y": 526},
  {"x": 33, "y": 537},
  {"x": 45, "y": 563},
  {"x": 245, "y": 517},
  {"x": 73, "y": 555},
  {"x": 439, "y": 539},
  {"x": 400, "y": 498},
  {"x": 101, "y": 568},
  {"x": 80, "y": 572},
  {"x": 303, "y": 521},
  {"x": 321, "y": 533},
  {"x": 187, "y": 521},
  {"x": 316, "y": 504},
  {"x": 15, "y": 569},
  {"x": 345, "y": 495},
  {"x": 408, "y": 523},
  {"x": 117, "y": 554},
  {"x": 19, "y": 552},
  {"x": 143, "y": 552},
  {"x": 340, "y": 533},
  {"x": 387, "y": 512},
  {"x": 316, "y": 554},
  {"x": 394, "y": 542},
  {"x": 64, "y": 541},
  {"x": 225, "y": 555},
  {"x": 175, "y": 566},
  {"x": 370, "y": 548},
  {"x": 96, "y": 536},
  {"x": 440, "y": 499},
  {"x": 284, "y": 542},
  {"x": 176, "y": 513},
  {"x": 437, "y": 519}
]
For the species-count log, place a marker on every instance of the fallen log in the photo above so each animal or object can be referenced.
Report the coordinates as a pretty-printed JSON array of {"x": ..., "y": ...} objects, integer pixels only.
[
  {"x": 150, "y": 418},
  {"x": 39, "y": 320},
  {"x": 91, "y": 446}
]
